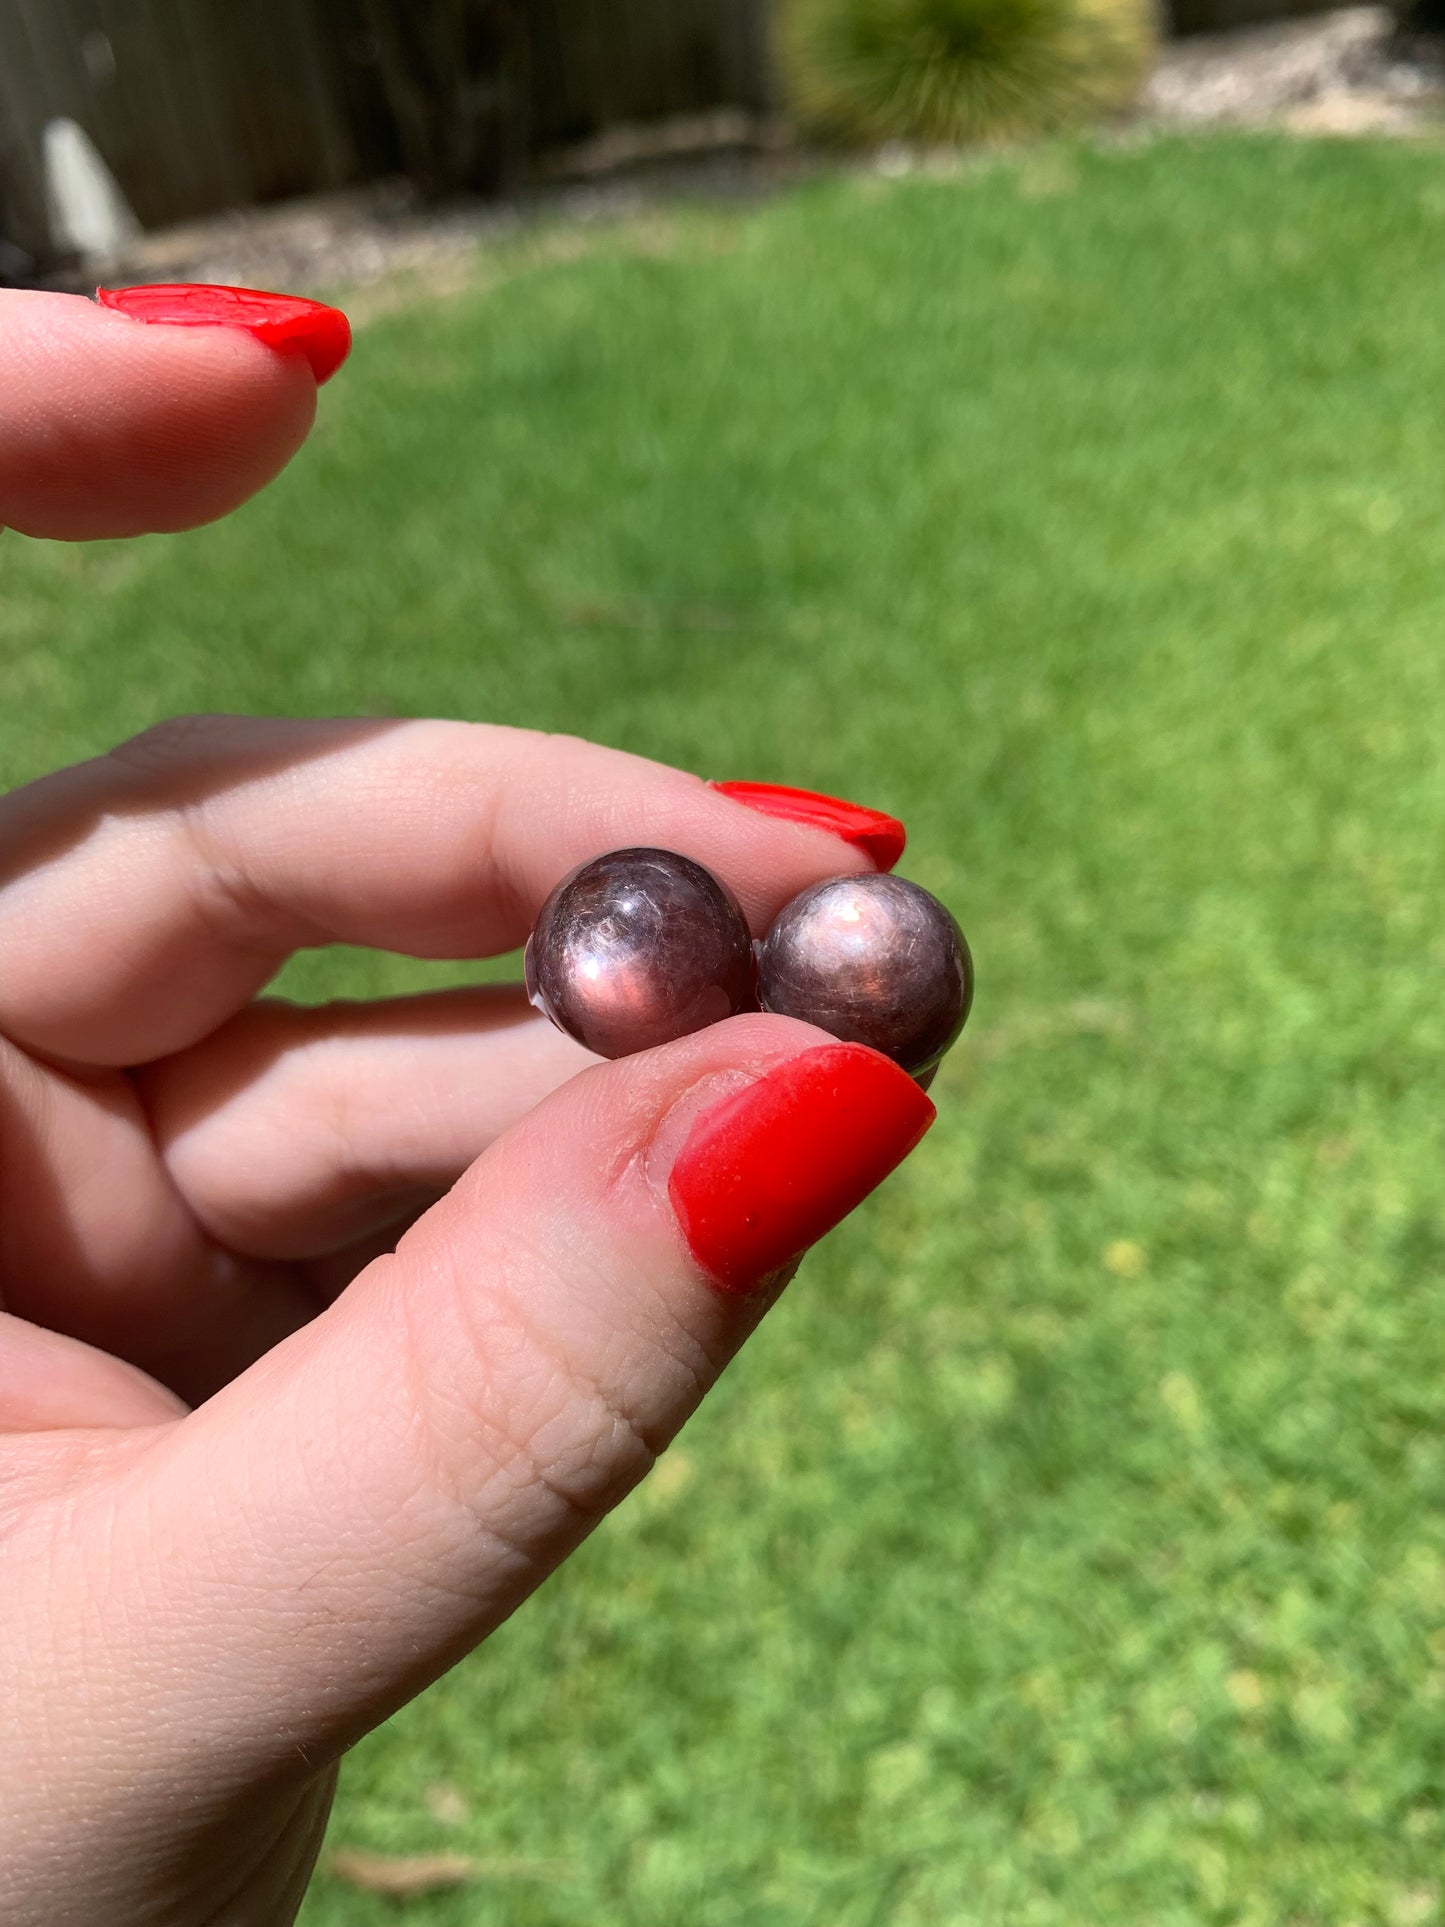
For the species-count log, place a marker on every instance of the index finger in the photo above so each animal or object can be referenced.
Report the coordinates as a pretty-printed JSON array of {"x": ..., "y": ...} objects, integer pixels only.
[
  {"x": 146, "y": 896},
  {"x": 114, "y": 425}
]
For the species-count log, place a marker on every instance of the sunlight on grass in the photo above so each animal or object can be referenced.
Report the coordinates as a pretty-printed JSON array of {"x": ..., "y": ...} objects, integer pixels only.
[{"x": 1068, "y": 1549}]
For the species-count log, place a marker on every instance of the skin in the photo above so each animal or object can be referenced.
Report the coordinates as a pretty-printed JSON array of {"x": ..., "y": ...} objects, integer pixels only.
[{"x": 326, "y": 1334}]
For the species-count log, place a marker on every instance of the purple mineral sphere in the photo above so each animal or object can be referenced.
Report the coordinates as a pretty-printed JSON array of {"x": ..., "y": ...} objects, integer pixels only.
[
  {"x": 874, "y": 960},
  {"x": 638, "y": 947}
]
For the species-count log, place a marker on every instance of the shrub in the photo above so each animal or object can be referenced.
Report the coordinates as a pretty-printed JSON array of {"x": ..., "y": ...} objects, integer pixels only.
[{"x": 955, "y": 71}]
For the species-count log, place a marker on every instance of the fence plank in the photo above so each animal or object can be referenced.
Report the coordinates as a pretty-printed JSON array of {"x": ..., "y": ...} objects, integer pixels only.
[
  {"x": 39, "y": 71},
  {"x": 599, "y": 62},
  {"x": 22, "y": 204},
  {"x": 287, "y": 110}
]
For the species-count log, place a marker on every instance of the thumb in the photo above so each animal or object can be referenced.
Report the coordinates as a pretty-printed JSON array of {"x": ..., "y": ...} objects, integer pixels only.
[{"x": 350, "y": 1516}]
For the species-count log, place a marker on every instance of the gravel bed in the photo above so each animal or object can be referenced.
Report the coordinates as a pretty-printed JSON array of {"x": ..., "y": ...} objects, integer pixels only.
[{"x": 1334, "y": 73}]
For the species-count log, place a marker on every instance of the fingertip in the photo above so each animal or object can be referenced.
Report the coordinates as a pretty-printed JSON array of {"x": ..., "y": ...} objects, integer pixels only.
[
  {"x": 111, "y": 428},
  {"x": 314, "y": 329},
  {"x": 880, "y": 837},
  {"x": 772, "y": 1165}
]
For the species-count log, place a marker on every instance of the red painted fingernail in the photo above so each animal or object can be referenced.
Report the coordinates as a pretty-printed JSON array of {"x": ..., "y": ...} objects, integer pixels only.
[
  {"x": 772, "y": 1167},
  {"x": 883, "y": 837},
  {"x": 322, "y": 334}
]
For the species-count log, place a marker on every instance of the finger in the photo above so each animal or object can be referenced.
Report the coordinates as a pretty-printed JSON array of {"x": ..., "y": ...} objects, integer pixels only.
[
  {"x": 388, "y": 1485},
  {"x": 149, "y": 894},
  {"x": 109, "y": 426},
  {"x": 293, "y": 1132},
  {"x": 97, "y": 1243},
  {"x": 290, "y": 1134},
  {"x": 48, "y": 1382}
]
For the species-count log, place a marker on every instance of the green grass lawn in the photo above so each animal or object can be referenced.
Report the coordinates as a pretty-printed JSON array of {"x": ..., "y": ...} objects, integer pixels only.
[{"x": 1069, "y": 1548}]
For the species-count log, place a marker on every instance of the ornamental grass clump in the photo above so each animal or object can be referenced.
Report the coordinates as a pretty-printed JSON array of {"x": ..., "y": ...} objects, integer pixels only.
[{"x": 954, "y": 72}]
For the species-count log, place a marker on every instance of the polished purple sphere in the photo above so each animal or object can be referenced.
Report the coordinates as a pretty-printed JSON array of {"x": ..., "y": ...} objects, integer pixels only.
[
  {"x": 638, "y": 947},
  {"x": 874, "y": 960}
]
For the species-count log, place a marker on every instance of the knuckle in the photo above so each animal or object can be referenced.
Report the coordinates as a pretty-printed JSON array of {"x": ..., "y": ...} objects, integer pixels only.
[
  {"x": 527, "y": 1439},
  {"x": 173, "y": 767}
]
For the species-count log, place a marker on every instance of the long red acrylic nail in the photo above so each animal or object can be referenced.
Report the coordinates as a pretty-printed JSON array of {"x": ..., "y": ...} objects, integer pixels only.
[
  {"x": 882, "y": 837},
  {"x": 320, "y": 333},
  {"x": 773, "y": 1166}
]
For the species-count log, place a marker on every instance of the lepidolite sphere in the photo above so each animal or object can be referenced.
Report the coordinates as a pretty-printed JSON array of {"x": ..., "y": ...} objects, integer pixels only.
[
  {"x": 638, "y": 947},
  {"x": 874, "y": 960}
]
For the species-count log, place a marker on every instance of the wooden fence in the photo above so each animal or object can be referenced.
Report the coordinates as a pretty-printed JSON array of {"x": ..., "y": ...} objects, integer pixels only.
[
  {"x": 598, "y": 63},
  {"x": 200, "y": 105}
]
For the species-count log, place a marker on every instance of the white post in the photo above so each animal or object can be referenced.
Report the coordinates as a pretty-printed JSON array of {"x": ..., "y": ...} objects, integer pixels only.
[{"x": 89, "y": 215}]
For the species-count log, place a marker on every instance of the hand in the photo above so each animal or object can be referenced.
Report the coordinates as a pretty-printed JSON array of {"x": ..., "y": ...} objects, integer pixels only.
[{"x": 326, "y": 1333}]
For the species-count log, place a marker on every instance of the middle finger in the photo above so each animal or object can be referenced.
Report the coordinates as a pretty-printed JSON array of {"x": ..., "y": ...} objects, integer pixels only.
[{"x": 293, "y": 1132}]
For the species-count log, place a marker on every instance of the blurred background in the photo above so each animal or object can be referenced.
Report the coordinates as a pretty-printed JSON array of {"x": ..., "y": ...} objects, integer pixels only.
[{"x": 1024, "y": 416}]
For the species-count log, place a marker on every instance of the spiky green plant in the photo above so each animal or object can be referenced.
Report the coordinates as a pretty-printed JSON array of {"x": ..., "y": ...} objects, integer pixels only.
[{"x": 959, "y": 71}]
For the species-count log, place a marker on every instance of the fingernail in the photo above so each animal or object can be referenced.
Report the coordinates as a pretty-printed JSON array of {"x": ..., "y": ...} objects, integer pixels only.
[
  {"x": 322, "y": 334},
  {"x": 772, "y": 1167},
  {"x": 882, "y": 837}
]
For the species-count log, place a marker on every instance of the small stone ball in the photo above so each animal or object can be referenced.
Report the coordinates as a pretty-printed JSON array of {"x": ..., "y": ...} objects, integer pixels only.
[
  {"x": 874, "y": 960},
  {"x": 638, "y": 947}
]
